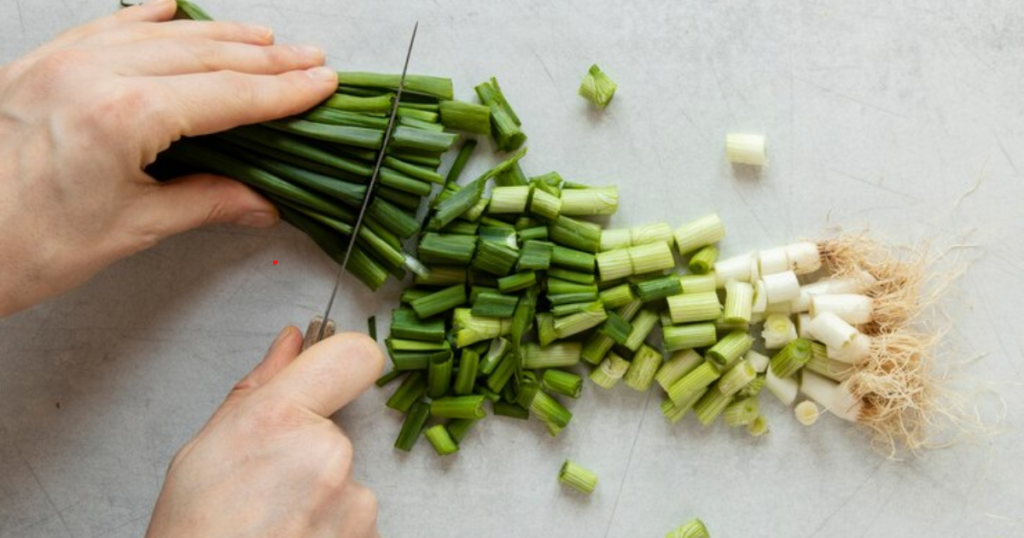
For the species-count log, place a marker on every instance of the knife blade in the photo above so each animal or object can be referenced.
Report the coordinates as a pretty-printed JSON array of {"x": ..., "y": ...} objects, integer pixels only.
[{"x": 323, "y": 324}]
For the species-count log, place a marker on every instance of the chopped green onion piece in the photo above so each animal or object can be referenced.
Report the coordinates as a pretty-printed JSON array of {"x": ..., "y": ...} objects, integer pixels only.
[
  {"x": 658, "y": 288},
  {"x": 413, "y": 387},
  {"x": 577, "y": 477},
  {"x": 596, "y": 347},
  {"x": 691, "y": 529},
  {"x": 572, "y": 276},
  {"x": 578, "y": 297},
  {"x": 494, "y": 258},
  {"x": 416, "y": 84},
  {"x": 739, "y": 376},
  {"x": 698, "y": 283},
  {"x": 387, "y": 378},
  {"x": 440, "y": 301},
  {"x": 791, "y": 358},
  {"x": 616, "y": 328},
  {"x": 597, "y": 87},
  {"x": 675, "y": 412},
  {"x": 677, "y": 366},
  {"x": 504, "y": 123},
  {"x": 594, "y": 201},
  {"x": 745, "y": 149},
  {"x": 546, "y": 328},
  {"x": 637, "y": 235},
  {"x": 398, "y": 344},
  {"x": 412, "y": 427},
  {"x": 545, "y": 205},
  {"x": 643, "y": 368},
  {"x": 552, "y": 413},
  {"x": 711, "y": 405},
  {"x": 509, "y": 199},
  {"x": 689, "y": 336},
  {"x": 470, "y": 328},
  {"x": 758, "y": 427},
  {"x": 496, "y": 305},
  {"x": 557, "y": 355},
  {"x": 822, "y": 365},
  {"x": 699, "y": 378},
  {"x": 560, "y": 287},
  {"x": 572, "y": 259},
  {"x": 607, "y": 374},
  {"x": 441, "y": 440},
  {"x": 643, "y": 324},
  {"x": 469, "y": 363},
  {"x": 753, "y": 388},
  {"x": 463, "y": 116},
  {"x": 617, "y": 296},
  {"x": 588, "y": 318},
  {"x": 406, "y": 324},
  {"x": 703, "y": 261},
  {"x": 562, "y": 382},
  {"x": 516, "y": 282},
  {"x": 439, "y": 375},
  {"x": 512, "y": 410},
  {"x": 739, "y": 302},
  {"x": 729, "y": 349},
  {"x": 575, "y": 234},
  {"x": 691, "y": 307},
  {"x": 536, "y": 233},
  {"x": 471, "y": 406},
  {"x": 535, "y": 255},
  {"x": 560, "y": 310},
  {"x": 447, "y": 249},
  {"x": 443, "y": 275},
  {"x": 418, "y": 172},
  {"x": 512, "y": 177},
  {"x": 393, "y": 218},
  {"x": 503, "y": 372},
  {"x": 701, "y": 232},
  {"x": 465, "y": 152},
  {"x": 742, "y": 412},
  {"x": 495, "y": 353}
]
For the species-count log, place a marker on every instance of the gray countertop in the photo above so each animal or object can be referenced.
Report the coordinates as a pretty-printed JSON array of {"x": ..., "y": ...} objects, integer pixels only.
[{"x": 905, "y": 118}]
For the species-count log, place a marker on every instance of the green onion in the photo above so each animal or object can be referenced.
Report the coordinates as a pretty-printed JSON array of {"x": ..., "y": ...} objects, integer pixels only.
[
  {"x": 701, "y": 232},
  {"x": 406, "y": 324},
  {"x": 546, "y": 328},
  {"x": 610, "y": 371},
  {"x": 658, "y": 288},
  {"x": 441, "y": 440},
  {"x": 504, "y": 123},
  {"x": 458, "y": 407},
  {"x": 623, "y": 262},
  {"x": 575, "y": 234},
  {"x": 557, "y": 355},
  {"x": 360, "y": 137},
  {"x": 753, "y": 388},
  {"x": 742, "y": 412},
  {"x": 638, "y": 235},
  {"x": 503, "y": 372},
  {"x": 447, "y": 249},
  {"x": 537, "y": 233},
  {"x": 617, "y": 296},
  {"x": 568, "y": 308},
  {"x": 595, "y": 348},
  {"x": 439, "y": 375},
  {"x": 597, "y": 87},
  {"x": 711, "y": 405},
  {"x": 791, "y": 358},
  {"x": 699, "y": 378},
  {"x": 585, "y": 319},
  {"x": 689, "y": 336},
  {"x": 572, "y": 259},
  {"x": 443, "y": 276},
  {"x": 380, "y": 104},
  {"x": 466, "y": 376},
  {"x": 677, "y": 366},
  {"x": 616, "y": 328},
  {"x": 509, "y": 199},
  {"x": 393, "y": 218},
  {"x": 572, "y": 276},
  {"x": 511, "y": 177},
  {"x": 498, "y": 349},
  {"x": 552, "y": 413},
  {"x": 643, "y": 324},
  {"x": 577, "y": 477},
  {"x": 691, "y": 307},
  {"x": 643, "y": 368},
  {"x": 545, "y": 205},
  {"x": 469, "y": 117},
  {"x": 703, "y": 260},
  {"x": 535, "y": 255},
  {"x": 691, "y": 529},
  {"x": 822, "y": 365},
  {"x": 729, "y": 349},
  {"x": 465, "y": 152},
  {"x": 461, "y": 227},
  {"x": 516, "y": 282},
  {"x": 562, "y": 382},
  {"x": 739, "y": 302},
  {"x": 595, "y": 201},
  {"x": 675, "y": 412},
  {"x": 387, "y": 378},
  {"x": 413, "y": 387},
  {"x": 417, "y": 84},
  {"x": 440, "y": 301},
  {"x": 413, "y": 425},
  {"x": 494, "y": 258},
  {"x": 470, "y": 328},
  {"x": 698, "y": 283},
  {"x": 334, "y": 116},
  {"x": 736, "y": 378},
  {"x": 459, "y": 427},
  {"x": 745, "y": 149},
  {"x": 495, "y": 305},
  {"x": 418, "y": 172},
  {"x": 512, "y": 410}
]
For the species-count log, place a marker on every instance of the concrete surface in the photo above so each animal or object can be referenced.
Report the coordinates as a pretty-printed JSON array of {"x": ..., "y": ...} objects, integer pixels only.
[{"x": 903, "y": 117}]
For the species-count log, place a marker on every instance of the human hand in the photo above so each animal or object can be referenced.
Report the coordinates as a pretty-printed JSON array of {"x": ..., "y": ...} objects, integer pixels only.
[
  {"x": 270, "y": 462},
  {"x": 82, "y": 116}
]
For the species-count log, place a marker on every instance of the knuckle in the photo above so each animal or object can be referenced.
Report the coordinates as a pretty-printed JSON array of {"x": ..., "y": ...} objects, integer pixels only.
[
  {"x": 268, "y": 418},
  {"x": 56, "y": 72}
]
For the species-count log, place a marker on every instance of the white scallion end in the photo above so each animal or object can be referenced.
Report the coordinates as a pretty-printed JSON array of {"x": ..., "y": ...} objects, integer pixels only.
[
  {"x": 851, "y": 308},
  {"x": 831, "y": 330},
  {"x": 760, "y": 298},
  {"x": 855, "y": 352},
  {"x": 784, "y": 388},
  {"x": 806, "y": 412},
  {"x": 746, "y": 149},
  {"x": 778, "y": 330},
  {"x": 758, "y": 361},
  {"x": 802, "y": 303},
  {"x": 834, "y": 397},
  {"x": 802, "y": 320},
  {"x": 773, "y": 261},
  {"x": 804, "y": 257},
  {"x": 781, "y": 287},
  {"x": 736, "y": 268}
]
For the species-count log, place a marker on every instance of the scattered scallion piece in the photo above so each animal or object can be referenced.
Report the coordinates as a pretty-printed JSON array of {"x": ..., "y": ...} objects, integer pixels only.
[
  {"x": 562, "y": 382},
  {"x": 745, "y": 149},
  {"x": 597, "y": 87},
  {"x": 642, "y": 369},
  {"x": 441, "y": 440},
  {"x": 692, "y": 529},
  {"x": 413, "y": 425},
  {"x": 577, "y": 477}
]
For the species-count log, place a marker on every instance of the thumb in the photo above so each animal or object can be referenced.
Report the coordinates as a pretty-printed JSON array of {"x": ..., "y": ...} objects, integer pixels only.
[
  {"x": 329, "y": 375},
  {"x": 198, "y": 200}
]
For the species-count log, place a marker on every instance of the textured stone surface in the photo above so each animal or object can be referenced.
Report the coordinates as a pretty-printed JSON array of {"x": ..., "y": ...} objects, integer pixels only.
[{"x": 902, "y": 117}]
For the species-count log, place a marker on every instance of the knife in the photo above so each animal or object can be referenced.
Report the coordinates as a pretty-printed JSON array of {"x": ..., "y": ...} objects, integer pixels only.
[{"x": 323, "y": 326}]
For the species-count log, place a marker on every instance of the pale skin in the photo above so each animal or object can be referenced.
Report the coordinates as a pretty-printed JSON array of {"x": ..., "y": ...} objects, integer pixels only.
[{"x": 80, "y": 118}]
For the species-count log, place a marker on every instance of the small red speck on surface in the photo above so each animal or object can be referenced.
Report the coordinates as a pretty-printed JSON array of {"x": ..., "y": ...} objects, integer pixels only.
[{"x": 275, "y": 262}]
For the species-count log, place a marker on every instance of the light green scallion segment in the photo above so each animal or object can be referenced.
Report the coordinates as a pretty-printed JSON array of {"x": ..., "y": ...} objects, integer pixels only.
[
  {"x": 643, "y": 368},
  {"x": 509, "y": 200},
  {"x": 596, "y": 347},
  {"x": 791, "y": 358},
  {"x": 822, "y": 365},
  {"x": 577, "y": 477},
  {"x": 689, "y": 336},
  {"x": 616, "y": 328},
  {"x": 591, "y": 316},
  {"x": 658, "y": 288},
  {"x": 490, "y": 304},
  {"x": 559, "y": 287},
  {"x": 698, "y": 283},
  {"x": 643, "y": 324},
  {"x": 699, "y": 378},
  {"x": 440, "y": 301},
  {"x": 572, "y": 276},
  {"x": 459, "y": 407},
  {"x": 630, "y": 310},
  {"x": 517, "y": 282},
  {"x": 673, "y": 412},
  {"x": 691, "y": 529},
  {"x": 562, "y": 382},
  {"x": 494, "y": 258},
  {"x": 692, "y": 307},
  {"x": 758, "y": 427},
  {"x": 737, "y": 377},
  {"x": 638, "y": 235},
  {"x": 677, "y": 366},
  {"x": 535, "y": 256},
  {"x": 498, "y": 349},
  {"x": 739, "y": 302},
  {"x": 617, "y": 296},
  {"x": 565, "y": 309},
  {"x": 459, "y": 427},
  {"x": 550, "y": 411},
  {"x": 572, "y": 259},
  {"x": 443, "y": 275},
  {"x": 597, "y": 87},
  {"x": 469, "y": 117},
  {"x": 546, "y": 328},
  {"x": 556, "y": 355},
  {"x": 441, "y": 440},
  {"x": 742, "y": 412},
  {"x": 730, "y": 348},
  {"x": 594, "y": 201},
  {"x": 575, "y": 234},
  {"x": 711, "y": 405},
  {"x": 447, "y": 249},
  {"x": 469, "y": 364},
  {"x": 412, "y": 388},
  {"x": 503, "y": 372},
  {"x": 439, "y": 87},
  {"x": 545, "y": 205},
  {"x": 535, "y": 233},
  {"x": 698, "y": 233},
  {"x": 703, "y": 261},
  {"x": 607, "y": 374},
  {"x": 470, "y": 329}
]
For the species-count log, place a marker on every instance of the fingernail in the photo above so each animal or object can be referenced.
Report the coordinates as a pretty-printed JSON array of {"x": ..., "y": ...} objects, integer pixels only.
[
  {"x": 280, "y": 336},
  {"x": 312, "y": 52},
  {"x": 264, "y": 31},
  {"x": 257, "y": 219},
  {"x": 323, "y": 74}
]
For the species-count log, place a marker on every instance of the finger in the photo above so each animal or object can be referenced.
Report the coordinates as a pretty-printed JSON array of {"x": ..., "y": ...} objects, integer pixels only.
[
  {"x": 192, "y": 201},
  {"x": 213, "y": 102},
  {"x": 329, "y": 375},
  {"x": 282, "y": 352},
  {"x": 164, "y": 57},
  {"x": 235, "y": 32}
]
